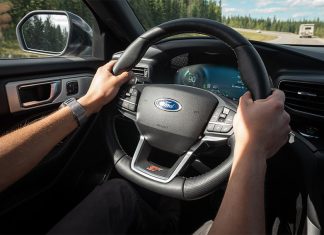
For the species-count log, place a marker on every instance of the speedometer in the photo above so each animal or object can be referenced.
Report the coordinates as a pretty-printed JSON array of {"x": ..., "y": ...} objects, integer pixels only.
[
  {"x": 221, "y": 80},
  {"x": 193, "y": 77}
]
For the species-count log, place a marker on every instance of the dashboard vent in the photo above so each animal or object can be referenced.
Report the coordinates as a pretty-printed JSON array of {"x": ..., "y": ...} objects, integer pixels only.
[
  {"x": 140, "y": 71},
  {"x": 304, "y": 97}
]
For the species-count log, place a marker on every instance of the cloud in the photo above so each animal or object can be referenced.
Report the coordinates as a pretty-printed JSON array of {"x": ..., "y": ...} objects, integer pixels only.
[
  {"x": 314, "y": 3},
  {"x": 230, "y": 10},
  {"x": 270, "y": 10},
  {"x": 264, "y": 3}
]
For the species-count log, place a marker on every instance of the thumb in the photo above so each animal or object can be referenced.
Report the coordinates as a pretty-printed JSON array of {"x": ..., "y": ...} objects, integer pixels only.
[
  {"x": 123, "y": 78},
  {"x": 246, "y": 99}
]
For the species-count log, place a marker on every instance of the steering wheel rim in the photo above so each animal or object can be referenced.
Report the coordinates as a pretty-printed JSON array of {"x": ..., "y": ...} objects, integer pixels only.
[{"x": 253, "y": 73}]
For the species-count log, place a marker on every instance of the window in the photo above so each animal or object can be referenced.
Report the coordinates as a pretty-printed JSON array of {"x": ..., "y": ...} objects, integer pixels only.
[
  {"x": 12, "y": 11},
  {"x": 259, "y": 20}
]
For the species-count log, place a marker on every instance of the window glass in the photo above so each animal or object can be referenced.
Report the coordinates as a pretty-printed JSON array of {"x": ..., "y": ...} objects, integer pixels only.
[
  {"x": 274, "y": 21},
  {"x": 12, "y": 11}
]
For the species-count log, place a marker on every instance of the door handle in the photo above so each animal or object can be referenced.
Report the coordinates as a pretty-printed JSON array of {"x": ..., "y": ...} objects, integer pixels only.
[{"x": 38, "y": 94}]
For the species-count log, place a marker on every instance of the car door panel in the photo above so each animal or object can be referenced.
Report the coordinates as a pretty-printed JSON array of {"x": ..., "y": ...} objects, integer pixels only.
[{"x": 65, "y": 166}]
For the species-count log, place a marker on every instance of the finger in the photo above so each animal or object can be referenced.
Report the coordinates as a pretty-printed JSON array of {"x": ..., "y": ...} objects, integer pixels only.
[
  {"x": 109, "y": 66},
  {"x": 278, "y": 94},
  {"x": 123, "y": 78},
  {"x": 286, "y": 117},
  {"x": 246, "y": 98}
]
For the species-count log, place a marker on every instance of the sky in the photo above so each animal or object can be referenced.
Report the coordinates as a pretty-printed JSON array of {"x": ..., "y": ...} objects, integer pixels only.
[{"x": 282, "y": 9}]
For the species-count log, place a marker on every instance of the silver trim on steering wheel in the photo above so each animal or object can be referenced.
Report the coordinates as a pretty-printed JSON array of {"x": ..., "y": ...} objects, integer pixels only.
[{"x": 143, "y": 148}]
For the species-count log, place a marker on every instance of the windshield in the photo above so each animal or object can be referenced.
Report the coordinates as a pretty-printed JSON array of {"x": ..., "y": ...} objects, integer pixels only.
[{"x": 298, "y": 22}]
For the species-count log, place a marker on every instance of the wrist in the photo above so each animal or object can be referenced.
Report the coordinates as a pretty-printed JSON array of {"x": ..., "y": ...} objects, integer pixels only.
[
  {"x": 90, "y": 105},
  {"x": 251, "y": 156}
]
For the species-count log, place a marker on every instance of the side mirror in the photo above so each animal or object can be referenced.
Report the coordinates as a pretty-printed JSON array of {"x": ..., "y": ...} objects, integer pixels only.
[{"x": 54, "y": 33}]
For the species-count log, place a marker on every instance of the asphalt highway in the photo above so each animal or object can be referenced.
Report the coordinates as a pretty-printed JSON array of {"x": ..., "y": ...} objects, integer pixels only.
[{"x": 288, "y": 38}]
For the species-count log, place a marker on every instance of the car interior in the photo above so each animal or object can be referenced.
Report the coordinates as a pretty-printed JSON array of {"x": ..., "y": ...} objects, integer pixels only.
[{"x": 188, "y": 155}]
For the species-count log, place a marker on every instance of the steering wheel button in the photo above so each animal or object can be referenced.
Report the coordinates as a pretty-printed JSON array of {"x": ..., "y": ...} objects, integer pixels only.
[
  {"x": 226, "y": 129},
  {"x": 210, "y": 127},
  {"x": 132, "y": 107},
  {"x": 218, "y": 128},
  {"x": 134, "y": 92},
  {"x": 222, "y": 115},
  {"x": 230, "y": 117},
  {"x": 125, "y": 105},
  {"x": 226, "y": 111},
  {"x": 214, "y": 119},
  {"x": 221, "y": 120}
]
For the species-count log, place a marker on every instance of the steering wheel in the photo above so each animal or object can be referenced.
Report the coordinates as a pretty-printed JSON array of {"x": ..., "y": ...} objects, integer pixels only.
[{"x": 181, "y": 119}]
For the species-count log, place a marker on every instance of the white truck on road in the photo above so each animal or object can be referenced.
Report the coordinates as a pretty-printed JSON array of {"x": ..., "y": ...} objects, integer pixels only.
[{"x": 306, "y": 30}]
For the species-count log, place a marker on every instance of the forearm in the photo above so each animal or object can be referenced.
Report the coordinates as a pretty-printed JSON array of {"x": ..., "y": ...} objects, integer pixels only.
[
  {"x": 23, "y": 149},
  {"x": 242, "y": 208}
]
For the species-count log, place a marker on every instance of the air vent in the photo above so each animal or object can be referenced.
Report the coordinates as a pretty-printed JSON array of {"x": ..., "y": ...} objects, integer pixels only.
[
  {"x": 140, "y": 71},
  {"x": 304, "y": 97}
]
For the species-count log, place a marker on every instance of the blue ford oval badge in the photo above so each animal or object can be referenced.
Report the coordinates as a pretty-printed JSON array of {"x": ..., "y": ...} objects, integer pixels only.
[{"x": 169, "y": 105}]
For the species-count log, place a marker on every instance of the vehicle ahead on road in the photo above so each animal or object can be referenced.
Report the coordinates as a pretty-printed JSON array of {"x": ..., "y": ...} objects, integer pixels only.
[
  {"x": 306, "y": 30},
  {"x": 83, "y": 35}
]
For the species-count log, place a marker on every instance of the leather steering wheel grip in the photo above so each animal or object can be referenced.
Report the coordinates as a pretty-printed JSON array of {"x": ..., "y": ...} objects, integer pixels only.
[
  {"x": 250, "y": 64},
  {"x": 253, "y": 73}
]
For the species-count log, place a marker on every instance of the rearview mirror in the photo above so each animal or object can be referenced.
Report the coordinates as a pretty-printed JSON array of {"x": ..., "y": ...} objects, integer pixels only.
[{"x": 54, "y": 33}]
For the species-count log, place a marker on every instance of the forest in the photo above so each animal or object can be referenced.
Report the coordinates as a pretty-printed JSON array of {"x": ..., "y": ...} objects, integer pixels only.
[
  {"x": 154, "y": 12},
  {"x": 273, "y": 24},
  {"x": 149, "y": 12},
  {"x": 37, "y": 29}
]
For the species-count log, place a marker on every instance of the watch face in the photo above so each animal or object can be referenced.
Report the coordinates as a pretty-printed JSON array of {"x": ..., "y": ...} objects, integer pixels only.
[{"x": 69, "y": 100}]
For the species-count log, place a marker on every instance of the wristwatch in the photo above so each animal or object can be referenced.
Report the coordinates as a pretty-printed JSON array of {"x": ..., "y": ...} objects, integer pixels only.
[{"x": 79, "y": 113}]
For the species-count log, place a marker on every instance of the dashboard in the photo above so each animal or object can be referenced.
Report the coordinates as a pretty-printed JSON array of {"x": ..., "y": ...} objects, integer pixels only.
[{"x": 220, "y": 80}]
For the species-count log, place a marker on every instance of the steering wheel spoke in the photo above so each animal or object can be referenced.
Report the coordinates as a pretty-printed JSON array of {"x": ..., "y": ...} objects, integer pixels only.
[
  {"x": 143, "y": 166},
  {"x": 128, "y": 98}
]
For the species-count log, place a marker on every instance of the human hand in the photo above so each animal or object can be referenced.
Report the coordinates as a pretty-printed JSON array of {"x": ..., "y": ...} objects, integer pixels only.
[
  {"x": 261, "y": 127},
  {"x": 103, "y": 89}
]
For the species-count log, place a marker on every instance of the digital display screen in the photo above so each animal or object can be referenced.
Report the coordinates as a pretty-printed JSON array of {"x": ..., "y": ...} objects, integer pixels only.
[{"x": 220, "y": 80}]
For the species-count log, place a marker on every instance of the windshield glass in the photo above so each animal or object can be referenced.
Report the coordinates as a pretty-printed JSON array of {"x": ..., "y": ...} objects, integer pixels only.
[{"x": 275, "y": 21}]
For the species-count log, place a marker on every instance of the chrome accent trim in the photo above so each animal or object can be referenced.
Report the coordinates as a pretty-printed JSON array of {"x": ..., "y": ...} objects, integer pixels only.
[
  {"x": 141, "y": 145},
  {"x": 159, "y": 106},
  {"x": 127, "y": 101},
  {"x": 12, "y": 90},
  {"x": 54, "y": 92},
  {"x": 303, "y": 93}
]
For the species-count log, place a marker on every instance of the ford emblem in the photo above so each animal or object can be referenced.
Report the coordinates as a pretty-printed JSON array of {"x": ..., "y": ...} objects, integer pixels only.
[{"x": 169, "y": 105}]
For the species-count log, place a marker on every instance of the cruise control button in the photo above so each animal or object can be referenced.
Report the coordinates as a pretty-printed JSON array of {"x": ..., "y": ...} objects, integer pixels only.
[
  {"x": 222, "y": 115},
  {"x": 226, "y": 129},
  {"x": 210, "y": 127},
  {"x": 226, "y": 111},
  {"x": 218, "y": 128},
  {"x": 221, "y": 120},
  {"x": 230, "y": 118},
  {"x": 213, "y": 119},
  {"x": 132, "y": 107},
  {"x": 133, "y": 99},
  {"x": 135, "y": 92},
  {"x": 125, "y": 105}
]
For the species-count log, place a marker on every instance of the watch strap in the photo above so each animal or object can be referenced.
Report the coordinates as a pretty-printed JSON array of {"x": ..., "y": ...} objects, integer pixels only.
[{"x": 79, "y": 113}]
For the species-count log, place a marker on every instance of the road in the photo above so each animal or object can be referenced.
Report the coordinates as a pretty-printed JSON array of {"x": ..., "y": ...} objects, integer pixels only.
[{"x": 288, "y": 38}]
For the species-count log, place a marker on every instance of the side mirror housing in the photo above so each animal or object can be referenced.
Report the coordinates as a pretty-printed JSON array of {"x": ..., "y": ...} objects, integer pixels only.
[{"x": 54, "y": 33}]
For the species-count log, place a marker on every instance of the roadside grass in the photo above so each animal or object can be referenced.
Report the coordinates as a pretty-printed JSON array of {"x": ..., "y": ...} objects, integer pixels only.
[
  {"x": 257, "y": 36},
  {"x": 11, "y": 50}
]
